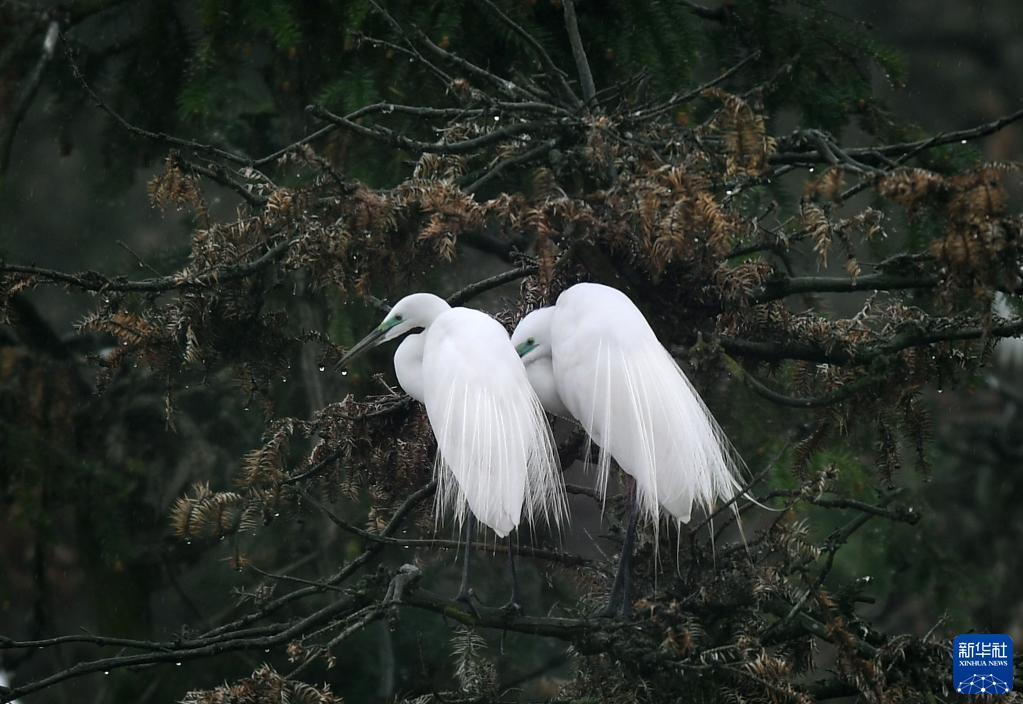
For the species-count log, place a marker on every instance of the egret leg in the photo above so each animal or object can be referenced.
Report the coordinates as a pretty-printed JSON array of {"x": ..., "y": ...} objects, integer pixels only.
[
  {"x": 465, "y": 593},
  {"x": 621, "y": 590},
  {"x": 514, "y": 606},
  {"x": 628, "y": 548}
]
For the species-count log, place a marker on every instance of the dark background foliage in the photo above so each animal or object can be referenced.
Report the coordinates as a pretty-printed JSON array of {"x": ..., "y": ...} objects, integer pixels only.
[{"x": 120, "y": 408}]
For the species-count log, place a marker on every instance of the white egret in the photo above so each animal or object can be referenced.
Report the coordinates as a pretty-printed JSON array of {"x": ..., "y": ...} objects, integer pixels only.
[
  {"x": 495, "y": 451},
  {"x": 593, "y": 357}
]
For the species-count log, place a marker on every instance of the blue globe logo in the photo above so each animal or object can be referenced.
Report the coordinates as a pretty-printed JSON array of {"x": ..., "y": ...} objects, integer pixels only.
[{"x": 982, "y": 684}]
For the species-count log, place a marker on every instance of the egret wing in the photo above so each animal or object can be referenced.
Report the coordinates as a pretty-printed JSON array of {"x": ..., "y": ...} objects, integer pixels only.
[
  {"x": 495, "y": 449},
  {"x": 636, "y": 403}
]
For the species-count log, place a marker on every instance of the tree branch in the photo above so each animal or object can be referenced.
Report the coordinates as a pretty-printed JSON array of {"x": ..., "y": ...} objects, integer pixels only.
[
  {"x": 582, "y": 64},
  {"x": 880, "y": 155},
  {"x": 200, "y": 650},
  {"x": 472, "y": 290},
  {"x": 525, "y": 550},
  {"x": 554, "y": 74},
  {"x": 867, "y": 353},
  {"x": 567, "y": 629},
  {"x": 675, "y": 101},
  {"x": 521, "y": 158},
  {"x": 837, "y": 396},
  {"x": 93, "y": 281},
  {"x": 394, "y": 139},
  {"x": 789, "y": 286}
]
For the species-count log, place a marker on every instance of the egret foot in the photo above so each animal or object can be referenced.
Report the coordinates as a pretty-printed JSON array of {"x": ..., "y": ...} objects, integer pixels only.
[
  {"x": 513, "y": 608},
  {"x": 465, "y": 594},
  {"x": 469, "y": 599}
]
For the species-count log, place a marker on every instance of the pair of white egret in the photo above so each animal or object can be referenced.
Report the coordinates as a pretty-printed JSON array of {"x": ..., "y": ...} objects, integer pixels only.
[{"x": 593, "y": 358}]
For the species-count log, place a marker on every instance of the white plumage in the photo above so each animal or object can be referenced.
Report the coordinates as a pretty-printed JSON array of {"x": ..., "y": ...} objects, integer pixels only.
[
  {"x": 595, "y": 356},
  {"x": 496, "y": 453}
]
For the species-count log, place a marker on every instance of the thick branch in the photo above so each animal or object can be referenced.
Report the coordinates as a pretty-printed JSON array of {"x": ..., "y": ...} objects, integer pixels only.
[
  {"x": 582, "y": 64},
  {"x": 472, "y": 290},
  {"x": 782, "y": 287}
]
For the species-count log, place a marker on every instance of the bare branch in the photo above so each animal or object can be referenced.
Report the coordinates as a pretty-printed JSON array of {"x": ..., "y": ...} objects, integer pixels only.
[
  {"x": 93, "y": 281},
  {"x": 788, "y": 286},
  {"x": 472, "y": 290},
  {"x": 582, "y": 64},
  {"x": 394, "y": 139},
  {"x": 880, "y": 155},
  {"x": 675, "y": 101},
  {"x": 952, "y": 331},
  {"x": 844, "y": 393},
  {"x": 553, "y": 73},
  {"x": 526, "y": 550},
  {"x": 521, "y": 158}
]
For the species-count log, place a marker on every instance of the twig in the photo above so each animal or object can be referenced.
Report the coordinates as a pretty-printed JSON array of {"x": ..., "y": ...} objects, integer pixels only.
[
  {"x": 445, "y": 78},
  {"x": 178, "y": 655},
  {"x": 504, "y": 85},
  {"x": 649, "y": 113},
  {"x": 142, "y": 262},
  {"x": 298, "y": 580},
  {"x": 392, "y": 138},
  {"x": 314, "y": 470},
  {"x": 218, "y": 174},
  {"x": 570, "y": 629},
  {"x": 555, "y": 74},
  {"x": 148, "y": 134},
  {"x": 841, "y": 394},
  {"x": 521, "y": 158},
  {"x": 519, "y": 549},
  {"x": 371, "y": 551}
]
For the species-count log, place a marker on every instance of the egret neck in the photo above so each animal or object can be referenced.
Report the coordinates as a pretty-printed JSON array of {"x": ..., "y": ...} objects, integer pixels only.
[
  {"x": 532, "y": 342},
  {"x": 408, "y": 366}
]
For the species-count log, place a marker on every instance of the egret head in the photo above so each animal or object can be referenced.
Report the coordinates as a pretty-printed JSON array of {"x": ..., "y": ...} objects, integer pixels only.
[
  {"x": 415, "y": 311},
  {"x": 532, "y": 336}
]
